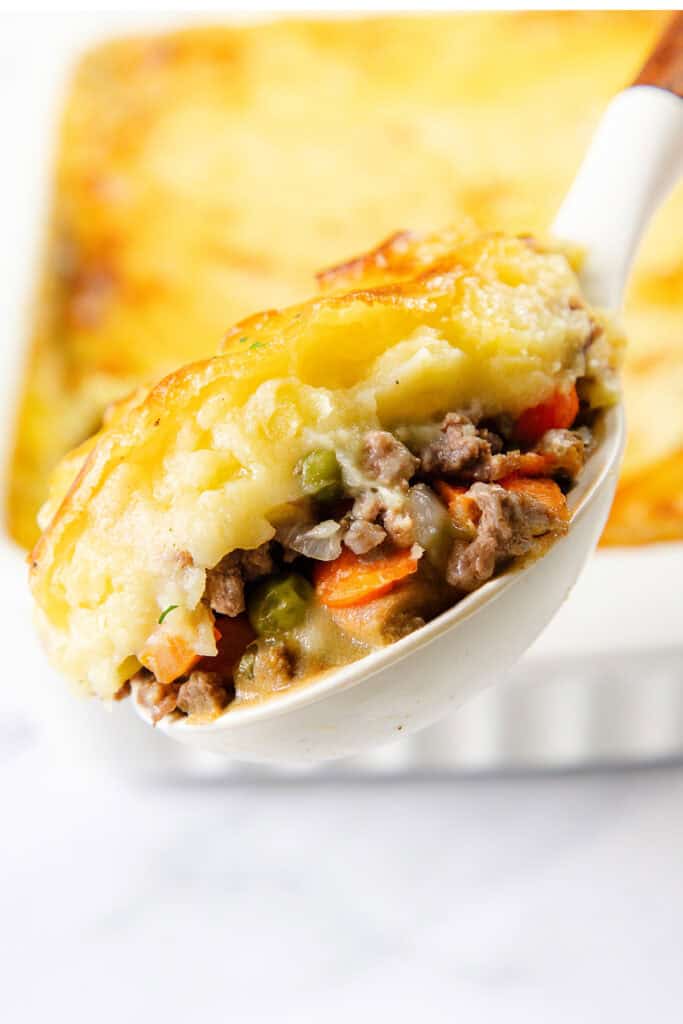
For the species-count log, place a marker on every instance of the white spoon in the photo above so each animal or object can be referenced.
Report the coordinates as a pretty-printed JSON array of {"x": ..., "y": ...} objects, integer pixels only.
[{"x": 633, "y": 161}]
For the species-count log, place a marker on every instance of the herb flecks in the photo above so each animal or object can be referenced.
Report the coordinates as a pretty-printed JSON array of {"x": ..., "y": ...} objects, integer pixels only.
[
  {"x": 245, "y": 338},
  {"x": 257, "y": 344},
  {"x": 166, "y": 611}
]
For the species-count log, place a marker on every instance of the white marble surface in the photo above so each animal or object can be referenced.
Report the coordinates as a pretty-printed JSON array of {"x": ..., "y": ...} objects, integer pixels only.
[{"x": 547, "y": 899}]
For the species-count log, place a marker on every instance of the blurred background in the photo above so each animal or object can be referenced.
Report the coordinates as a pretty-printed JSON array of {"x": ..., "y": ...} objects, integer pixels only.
[{"x": 165, "y": 175}]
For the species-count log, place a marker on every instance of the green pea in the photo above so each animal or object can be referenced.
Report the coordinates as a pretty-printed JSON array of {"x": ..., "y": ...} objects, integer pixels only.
[
  {"x": 321, "y": 475},
  {"x": 278, "y": 603}
]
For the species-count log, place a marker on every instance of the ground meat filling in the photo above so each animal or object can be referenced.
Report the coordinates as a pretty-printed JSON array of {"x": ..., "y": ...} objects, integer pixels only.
[
  {"x": 507, "y": 527},
  {"x": 400, "y": 527},
  {"x": 273, "y": 666},
  {"x": 204, "y": 694},
  {"x": 567, "y": 449},
  {"x": 388, "y": 460},
  {"x": 362, "y": 536},
  {"x": 459, "y": 447},
  {"x": 158, "y": 698},
  {"x": 371, "y": 522},
  {"x": 224, "y": 592},
  {"x": 474, "y": 459}
]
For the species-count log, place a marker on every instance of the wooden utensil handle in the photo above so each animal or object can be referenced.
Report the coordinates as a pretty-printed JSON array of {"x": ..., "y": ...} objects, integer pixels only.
[{"x": 664, "y": 66}]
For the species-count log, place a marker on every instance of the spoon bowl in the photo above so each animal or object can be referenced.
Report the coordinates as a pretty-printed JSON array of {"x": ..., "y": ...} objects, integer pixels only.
[{"x": 417, "y": 680}]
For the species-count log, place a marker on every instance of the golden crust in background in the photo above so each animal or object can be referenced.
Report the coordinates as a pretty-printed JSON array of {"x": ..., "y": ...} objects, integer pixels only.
[{"x": 207, "y": 173}]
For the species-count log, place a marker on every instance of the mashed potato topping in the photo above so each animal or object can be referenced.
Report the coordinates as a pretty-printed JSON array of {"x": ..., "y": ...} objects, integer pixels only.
[{"x": 206, "y": 461}]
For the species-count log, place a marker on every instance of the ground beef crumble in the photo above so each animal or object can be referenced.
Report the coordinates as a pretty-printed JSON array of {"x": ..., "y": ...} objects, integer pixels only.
[
  {"x": 506, "y": 529},
  {"x": 273, "y": 666},
  {"x": 362, "y": 536},
  {"x": 224, "y": 592},
  {"x": 158, "y": 698},
  {"x": 567, "y": 448},
  {"x": 257, "y": 562},
  {"x": 387, "y": 460},
  {"x": 458, "y": 447},
  {"x": 400, "y": 527},
  {"x": 367, "y": 506},
  {"x": 204, "y": 694},
  {"x": 370, "y": 524}
]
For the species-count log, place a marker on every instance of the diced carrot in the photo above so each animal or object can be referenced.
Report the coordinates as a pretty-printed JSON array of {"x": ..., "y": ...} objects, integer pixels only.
[
  {"x": 350, "y": 580},
  {"x": 168, "y": 656},
  {"x": 448, "y": 492},
  {"x": 233, "y": 636},
  {"x": 543, "y": 490},
  {"x": 560, "y": 410},
  {"x": 534, "y": 464},
  {"x": 462, "y": 509}
]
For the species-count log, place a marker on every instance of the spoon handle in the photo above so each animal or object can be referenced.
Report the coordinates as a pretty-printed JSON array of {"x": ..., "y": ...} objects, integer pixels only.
[
  {"x": 664, "y": 66},
  {"x": 633, "y": 161}
]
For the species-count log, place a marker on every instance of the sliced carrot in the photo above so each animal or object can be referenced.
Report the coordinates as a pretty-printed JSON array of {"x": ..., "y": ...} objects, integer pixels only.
[
  {"x": 543, "y": 490},
  {"x": 233, "y": 636},
  {"x": 168, "y": 656},
  {"x": 560, "y": 410},
  {"x": 350, "y": 580}
]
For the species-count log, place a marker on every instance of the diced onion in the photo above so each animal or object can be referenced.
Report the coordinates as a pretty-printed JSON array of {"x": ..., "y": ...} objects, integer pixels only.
[
  {"x": 433, "y": 527},
  {"x": 322, "y": 541}
]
